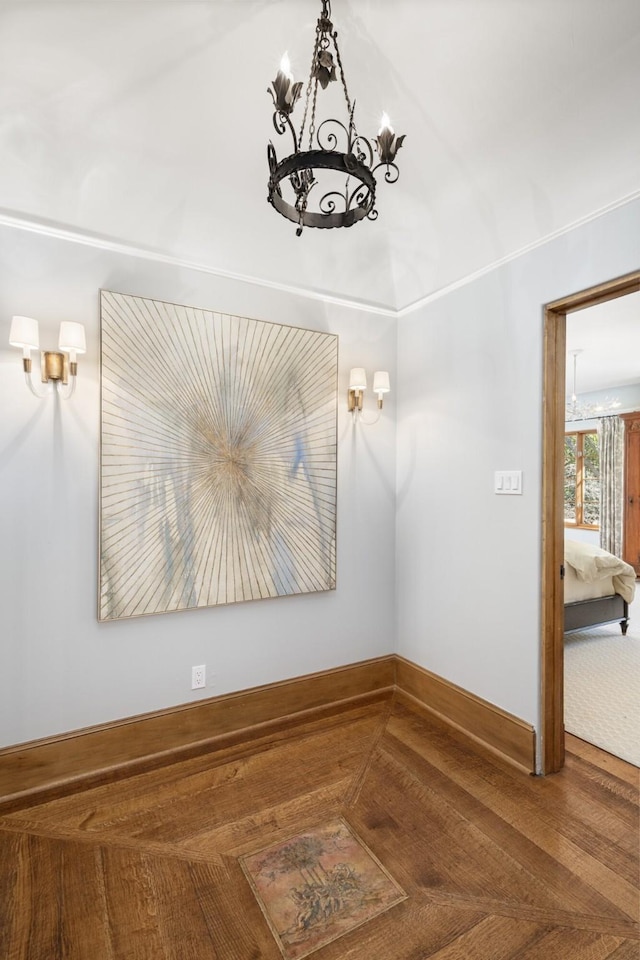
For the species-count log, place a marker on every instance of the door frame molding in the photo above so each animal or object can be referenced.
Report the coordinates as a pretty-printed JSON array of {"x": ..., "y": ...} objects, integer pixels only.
[{"x": 553, "y": 426}]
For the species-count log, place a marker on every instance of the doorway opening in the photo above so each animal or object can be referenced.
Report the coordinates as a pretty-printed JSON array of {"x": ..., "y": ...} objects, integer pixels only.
[{"x": 554, "y": 390}]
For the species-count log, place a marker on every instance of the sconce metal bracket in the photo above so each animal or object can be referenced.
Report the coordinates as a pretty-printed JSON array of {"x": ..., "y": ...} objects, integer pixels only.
[
  {"x": 54, "y": 366},
  {"x": 354, "y": 400}
]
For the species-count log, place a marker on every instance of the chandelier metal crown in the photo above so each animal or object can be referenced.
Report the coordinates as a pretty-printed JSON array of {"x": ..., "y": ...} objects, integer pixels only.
[{"x": 307, "y": 186}]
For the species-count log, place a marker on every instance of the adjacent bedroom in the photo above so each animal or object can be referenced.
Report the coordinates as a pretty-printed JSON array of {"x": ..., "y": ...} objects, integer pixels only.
[{"x": 602, "y": 527}]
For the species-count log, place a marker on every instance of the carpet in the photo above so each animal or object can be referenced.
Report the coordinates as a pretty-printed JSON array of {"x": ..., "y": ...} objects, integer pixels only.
[
  {"x": 318, "y": 886},
  {"x": 602, "y": 689}
]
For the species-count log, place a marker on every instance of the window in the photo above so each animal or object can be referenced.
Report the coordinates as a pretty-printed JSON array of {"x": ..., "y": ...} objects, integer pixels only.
[{"x": 582, "y": 480}]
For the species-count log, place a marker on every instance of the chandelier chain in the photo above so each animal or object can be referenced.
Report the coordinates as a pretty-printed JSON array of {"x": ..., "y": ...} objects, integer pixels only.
[
  {"x": 307, "y": 97},
  {"x": 312, "y": 123},
  {"x": 342, "y": 77}
]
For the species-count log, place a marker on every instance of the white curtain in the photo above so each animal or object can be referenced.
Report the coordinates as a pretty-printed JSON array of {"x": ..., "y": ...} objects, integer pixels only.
[{"x": 611, "y": 444}]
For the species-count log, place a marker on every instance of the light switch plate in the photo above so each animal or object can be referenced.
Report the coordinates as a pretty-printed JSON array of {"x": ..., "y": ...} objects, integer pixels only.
[{"x": 508, "y": 482}]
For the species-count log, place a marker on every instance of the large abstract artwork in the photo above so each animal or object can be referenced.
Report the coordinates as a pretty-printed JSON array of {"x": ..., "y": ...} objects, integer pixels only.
[{"x": 218, "y": 458}]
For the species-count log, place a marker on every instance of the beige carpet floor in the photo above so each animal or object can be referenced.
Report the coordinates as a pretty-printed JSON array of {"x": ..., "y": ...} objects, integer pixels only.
[{"x": 602, "y": 687}]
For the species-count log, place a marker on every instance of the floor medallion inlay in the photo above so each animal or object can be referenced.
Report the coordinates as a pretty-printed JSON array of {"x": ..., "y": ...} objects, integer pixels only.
[{"x": 318, "y": 886}]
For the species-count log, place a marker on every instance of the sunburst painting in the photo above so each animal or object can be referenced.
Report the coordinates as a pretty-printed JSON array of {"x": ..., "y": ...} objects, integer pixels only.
[{"x": 218, "y": 458}]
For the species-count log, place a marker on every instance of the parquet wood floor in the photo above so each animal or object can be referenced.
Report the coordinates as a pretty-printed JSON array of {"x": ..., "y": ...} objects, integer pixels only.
[{"x": 496, "y": 864}]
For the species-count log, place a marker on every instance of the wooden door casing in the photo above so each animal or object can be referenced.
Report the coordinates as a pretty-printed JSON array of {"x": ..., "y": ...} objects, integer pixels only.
[{"x": 552, "y": 661}]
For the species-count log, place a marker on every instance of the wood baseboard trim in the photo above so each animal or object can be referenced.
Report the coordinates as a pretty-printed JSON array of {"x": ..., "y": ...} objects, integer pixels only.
[
  {"x": 43, "y": 770},
  {"x": 499, "y": 731}
]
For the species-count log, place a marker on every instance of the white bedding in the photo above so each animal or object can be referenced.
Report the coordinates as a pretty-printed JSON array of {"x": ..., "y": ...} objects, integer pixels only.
[
  {"x": 575, "y": 589},
  {"x": 592, "y": 572}
]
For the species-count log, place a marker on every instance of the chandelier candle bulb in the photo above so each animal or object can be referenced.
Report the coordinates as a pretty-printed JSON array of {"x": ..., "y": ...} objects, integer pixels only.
[
  {"x": 385, "y": 124},
  {"x": 285, "y": 67},
  {"x": 386, "y": 142}
]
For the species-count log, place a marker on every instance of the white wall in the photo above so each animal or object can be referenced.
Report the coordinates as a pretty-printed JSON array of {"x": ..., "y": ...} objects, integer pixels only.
[
  {"x": 59, "y": 668},
  {"x": 470, "y": 402},
  {"x": 467, "y": 571},
  {"x": 582, "y": 535}
]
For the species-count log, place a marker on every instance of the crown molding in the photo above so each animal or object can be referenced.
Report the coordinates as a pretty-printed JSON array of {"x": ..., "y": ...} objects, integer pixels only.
[
  {"x": 495, "y": 264},
  {"x": 59, "y": 232},
  {"x": 56, "y": 231}
]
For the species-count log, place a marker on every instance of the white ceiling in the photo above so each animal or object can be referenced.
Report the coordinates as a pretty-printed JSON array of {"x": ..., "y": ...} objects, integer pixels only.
[
  {"x": 147, "y": 123},
  {"x": 608, "y": 336}
]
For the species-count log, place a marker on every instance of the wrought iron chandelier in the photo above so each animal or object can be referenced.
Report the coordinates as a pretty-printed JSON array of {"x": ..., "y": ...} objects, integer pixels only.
[{"x": 307, "y": 186}]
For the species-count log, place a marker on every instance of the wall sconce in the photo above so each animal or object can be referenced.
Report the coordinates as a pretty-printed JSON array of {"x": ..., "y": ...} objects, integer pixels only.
[
  {"x": 55, "y": 367},
  {"x": 358, "y": 385}
]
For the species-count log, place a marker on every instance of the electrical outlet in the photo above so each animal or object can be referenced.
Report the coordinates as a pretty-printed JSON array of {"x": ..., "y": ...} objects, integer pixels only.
[{"x": 198, "y": 677}]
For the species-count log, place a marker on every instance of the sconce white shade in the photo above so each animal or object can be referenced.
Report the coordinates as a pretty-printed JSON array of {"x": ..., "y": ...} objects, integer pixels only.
[
  {"x": 24, "y": 333},
  {"x": 72, "y": 339},
  {"x": 381, "y": 382},
  {"x": 357, "y": 379}
]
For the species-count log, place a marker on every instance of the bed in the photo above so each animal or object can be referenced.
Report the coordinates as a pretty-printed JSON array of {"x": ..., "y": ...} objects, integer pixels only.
[{"x": 598, "y": 587}]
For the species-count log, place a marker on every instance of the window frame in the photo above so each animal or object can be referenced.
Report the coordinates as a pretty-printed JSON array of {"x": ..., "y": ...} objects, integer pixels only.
[{"x": 579, "y": 523}]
